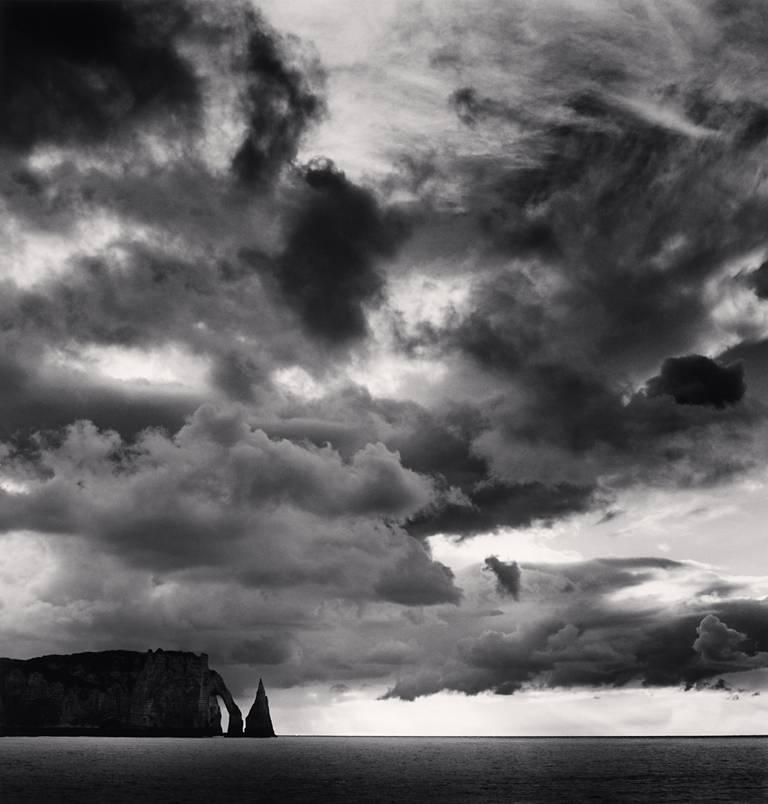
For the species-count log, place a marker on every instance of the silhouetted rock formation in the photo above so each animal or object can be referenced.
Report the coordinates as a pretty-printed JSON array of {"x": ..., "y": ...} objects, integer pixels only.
[
  {"x": 122, "y": 693},
  {"x": 216, "y": 686},
  {"x": 259, "y": 723}
]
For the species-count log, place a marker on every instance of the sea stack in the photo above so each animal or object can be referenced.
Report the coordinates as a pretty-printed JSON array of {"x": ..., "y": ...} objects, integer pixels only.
[{"x": 259, "y": 723}]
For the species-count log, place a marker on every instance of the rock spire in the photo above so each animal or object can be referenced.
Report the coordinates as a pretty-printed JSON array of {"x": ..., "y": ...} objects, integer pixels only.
[{"x": 259, "y": 723}]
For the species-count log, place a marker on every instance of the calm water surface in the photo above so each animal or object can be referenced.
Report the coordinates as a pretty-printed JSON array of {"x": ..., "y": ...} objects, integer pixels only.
[{"x": 387, "y": 769}]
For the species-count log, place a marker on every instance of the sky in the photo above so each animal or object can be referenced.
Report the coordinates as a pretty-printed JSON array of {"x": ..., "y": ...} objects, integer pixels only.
[{"x": 410, "y": 355}]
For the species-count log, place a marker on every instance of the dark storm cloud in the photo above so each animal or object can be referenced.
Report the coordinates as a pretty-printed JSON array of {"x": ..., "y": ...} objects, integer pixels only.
[
  {"x": 567, "y": 406},
  {"x": 581, "y": 210},
  {"x": 220, "y": 496},
  {"x": 573, "y": 426},
  {"x": 328, "y": 271},
  {"x": 245, "y": 76},
  {"x": 753, "y": 355},
  {"x": 87, "y": 71},
  {"x": 143, "y": 297},
  {"x": 577, "y": 636},
  {"x": 717, "y": 642},
  {"x": 237, "y": 374},
  {"x": 157, "y": 165},
  {"x": 507, "y": 574},
  {"x": 607, "y": 216},
  {"x": 569, "y": 429},
  {"x": 491, "y": 503},
  {"x": 758, "y": 279},
  {"x": 280, "y": 104},
  {"x": 115, "y": 69},
  {"x": 698, "y": 380},
  {"x": 30, "y": 401},
  {"x": 437, "y": 442},
  {"x": 598, "y": 131},
  {"x": 418, "y": 581},
  {"x": 567, "y": 340},
  {"x": 101, "y": 302}
]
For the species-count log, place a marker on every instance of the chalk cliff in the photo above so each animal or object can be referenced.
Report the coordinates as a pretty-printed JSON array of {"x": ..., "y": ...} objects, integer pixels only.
[
  {"x": 258, "y": 723},
  {"x": 158, "y": 693}
]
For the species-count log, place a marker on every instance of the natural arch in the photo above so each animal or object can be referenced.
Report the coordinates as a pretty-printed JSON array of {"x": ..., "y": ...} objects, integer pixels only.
[{"x": 216, "y": 686}]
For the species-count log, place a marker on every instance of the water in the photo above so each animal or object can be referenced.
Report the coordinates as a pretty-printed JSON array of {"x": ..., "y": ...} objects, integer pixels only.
[{"x": 385, "y": 769}]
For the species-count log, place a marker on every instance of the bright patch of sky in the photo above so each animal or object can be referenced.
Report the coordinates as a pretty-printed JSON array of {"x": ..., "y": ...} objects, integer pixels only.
[
  {"x": 165, "y": 365},
  {"x": 311, "y": 710}
]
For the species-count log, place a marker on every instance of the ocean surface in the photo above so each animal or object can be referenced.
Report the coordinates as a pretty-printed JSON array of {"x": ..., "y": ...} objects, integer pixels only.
[{"x": 383, "y": 769}]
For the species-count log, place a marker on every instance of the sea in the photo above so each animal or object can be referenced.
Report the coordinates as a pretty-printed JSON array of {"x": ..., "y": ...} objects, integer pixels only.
[{"x": 383, "y": 769}]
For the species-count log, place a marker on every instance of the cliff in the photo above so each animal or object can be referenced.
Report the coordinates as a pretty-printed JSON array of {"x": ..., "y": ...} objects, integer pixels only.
[
  {"x": 258, "y": 723},
  {"x": 117, "y": 693}
]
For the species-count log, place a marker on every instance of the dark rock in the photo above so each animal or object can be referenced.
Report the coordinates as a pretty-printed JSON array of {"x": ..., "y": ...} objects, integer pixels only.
[
  {"x": 216, "y": 686},
  {"x": 259, "y": 723},
  {"x": 115, "y": 693}
]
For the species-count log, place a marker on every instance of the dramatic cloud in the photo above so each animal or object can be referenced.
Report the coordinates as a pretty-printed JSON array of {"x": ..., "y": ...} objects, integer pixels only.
[
  {"x": 56, "y": 398},
  {"x": 82, "y": 71},
  {"x": 487, "y": 505},
  {"x": 280, "y": 104},
  {"x": 582, "y": 286},
  {"x": 212, "y": 489},
  {"x": 417, "y": 582},
  {"x": 697, "y": 380},
  {"x": 285, "y": 316},
  {"x": 328, "y": 272},
  {"x": 759, "y": 280},
  {"x": 508, "y": 575},
  {"x": 716, "y": 641},
  {"x": 591, "y": 624}
]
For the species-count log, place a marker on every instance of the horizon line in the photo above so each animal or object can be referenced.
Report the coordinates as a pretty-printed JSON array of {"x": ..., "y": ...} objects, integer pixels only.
[{"x": 542, "y": 736}]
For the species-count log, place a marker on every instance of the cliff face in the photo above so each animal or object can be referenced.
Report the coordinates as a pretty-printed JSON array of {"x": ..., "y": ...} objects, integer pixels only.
[
  {"x": 157, "y": 693},
  {"x": 259, "y": 723}
]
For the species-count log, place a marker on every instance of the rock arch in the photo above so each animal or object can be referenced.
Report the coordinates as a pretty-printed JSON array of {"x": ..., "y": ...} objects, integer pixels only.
[{"x": 216, "y": 686}]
